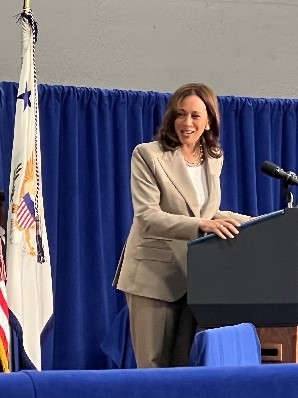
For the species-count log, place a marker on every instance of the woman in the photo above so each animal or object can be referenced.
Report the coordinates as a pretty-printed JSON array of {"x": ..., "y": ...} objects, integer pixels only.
[{"x": 176, "y": 197}]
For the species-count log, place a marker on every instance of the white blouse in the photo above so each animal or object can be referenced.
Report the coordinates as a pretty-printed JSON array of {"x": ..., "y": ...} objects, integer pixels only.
[{"x": 199, "y": 180}]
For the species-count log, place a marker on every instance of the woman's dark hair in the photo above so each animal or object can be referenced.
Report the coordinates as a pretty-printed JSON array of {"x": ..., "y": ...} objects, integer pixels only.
[{"x": 167, "y": 136}]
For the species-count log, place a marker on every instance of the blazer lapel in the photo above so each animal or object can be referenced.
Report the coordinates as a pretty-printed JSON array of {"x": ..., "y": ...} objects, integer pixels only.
[{"x": 174, "y": 166}]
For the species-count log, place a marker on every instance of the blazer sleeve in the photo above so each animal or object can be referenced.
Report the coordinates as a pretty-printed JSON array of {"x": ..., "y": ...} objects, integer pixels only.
[
  {"x": 229, "y": 214},
  {"x": 146, "y": 195}
]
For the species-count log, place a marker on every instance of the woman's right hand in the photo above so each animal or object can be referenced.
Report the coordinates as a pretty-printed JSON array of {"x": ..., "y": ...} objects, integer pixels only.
[{"x": 224, "y": 227}]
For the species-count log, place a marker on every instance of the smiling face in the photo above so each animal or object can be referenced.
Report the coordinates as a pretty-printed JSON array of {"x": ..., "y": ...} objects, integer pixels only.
[{"x": 191, "y": 120}]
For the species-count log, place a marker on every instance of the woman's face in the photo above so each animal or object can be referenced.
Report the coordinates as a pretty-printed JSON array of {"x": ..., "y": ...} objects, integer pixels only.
[{"x": 191, "y": 120}]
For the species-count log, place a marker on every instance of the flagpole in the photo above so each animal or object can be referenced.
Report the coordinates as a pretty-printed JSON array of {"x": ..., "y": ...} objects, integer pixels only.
[{"x": 26, "y": 4}]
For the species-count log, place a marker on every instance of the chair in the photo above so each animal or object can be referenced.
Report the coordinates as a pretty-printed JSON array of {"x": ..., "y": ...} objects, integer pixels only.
[{"x": 226, "y": 346}]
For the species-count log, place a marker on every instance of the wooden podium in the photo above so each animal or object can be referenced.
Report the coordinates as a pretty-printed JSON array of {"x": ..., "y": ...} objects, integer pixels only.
[
  {"x": 279, "y": 344},
  {"x": 251, "y": 278}
]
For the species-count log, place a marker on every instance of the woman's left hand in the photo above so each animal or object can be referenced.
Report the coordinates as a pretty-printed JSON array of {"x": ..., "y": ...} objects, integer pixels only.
[{"x": 225, "y": 227}]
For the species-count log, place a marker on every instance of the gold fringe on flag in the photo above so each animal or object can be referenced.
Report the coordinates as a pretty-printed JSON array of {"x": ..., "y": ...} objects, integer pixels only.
[{"x": 3, "y": 358}]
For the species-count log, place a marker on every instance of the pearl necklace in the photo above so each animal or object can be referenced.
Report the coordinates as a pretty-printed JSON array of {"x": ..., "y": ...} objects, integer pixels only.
[{"x": 198, "y": 161}]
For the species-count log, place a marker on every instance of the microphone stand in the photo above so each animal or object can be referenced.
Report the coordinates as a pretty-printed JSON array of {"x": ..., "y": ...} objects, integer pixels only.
[{"x": 288, "y": 194}]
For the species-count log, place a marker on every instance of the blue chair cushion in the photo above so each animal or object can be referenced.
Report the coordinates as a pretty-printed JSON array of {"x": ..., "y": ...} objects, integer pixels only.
[{"x": 227, "y": 345}]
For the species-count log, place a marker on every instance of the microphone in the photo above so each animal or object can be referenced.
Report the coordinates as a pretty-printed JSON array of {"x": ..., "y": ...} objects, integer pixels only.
[{"x": 277, "y": 172}]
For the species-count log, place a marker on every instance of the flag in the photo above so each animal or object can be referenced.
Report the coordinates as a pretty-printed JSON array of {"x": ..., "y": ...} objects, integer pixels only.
[
  {"x": 4, "y": 323},
  {"x": 29, "y": 282}
]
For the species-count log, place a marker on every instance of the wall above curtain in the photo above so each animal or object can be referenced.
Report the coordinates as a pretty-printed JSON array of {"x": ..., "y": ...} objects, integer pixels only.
[{"x": 87, "y": 136}]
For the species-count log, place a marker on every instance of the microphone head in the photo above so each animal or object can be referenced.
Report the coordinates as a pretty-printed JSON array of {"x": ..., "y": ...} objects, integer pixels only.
[
  {"x": 273, "y": 170},
  {"x": 270, "y": 168}
]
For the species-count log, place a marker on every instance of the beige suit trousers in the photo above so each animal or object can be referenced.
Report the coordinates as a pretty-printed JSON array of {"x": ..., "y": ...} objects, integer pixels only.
[{"x": 162, "y": 333}]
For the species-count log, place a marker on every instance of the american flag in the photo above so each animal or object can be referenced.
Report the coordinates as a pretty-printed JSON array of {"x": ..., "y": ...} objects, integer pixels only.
[{"x": 4, "y": 322}]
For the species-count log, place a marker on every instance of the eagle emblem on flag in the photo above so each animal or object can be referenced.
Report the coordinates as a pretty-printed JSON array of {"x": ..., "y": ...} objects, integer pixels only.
[{"x": 23, "y": 220}]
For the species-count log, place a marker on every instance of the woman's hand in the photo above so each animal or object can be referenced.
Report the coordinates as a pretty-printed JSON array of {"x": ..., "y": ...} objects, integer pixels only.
[{"x": 225, "y": 227}]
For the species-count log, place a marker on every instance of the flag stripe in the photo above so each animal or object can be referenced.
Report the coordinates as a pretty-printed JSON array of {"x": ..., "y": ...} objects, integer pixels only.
[
  {"x": 3, "y": 338},
  {"x": 4, "y": 328},
  {"x": 3, "y": 299}
]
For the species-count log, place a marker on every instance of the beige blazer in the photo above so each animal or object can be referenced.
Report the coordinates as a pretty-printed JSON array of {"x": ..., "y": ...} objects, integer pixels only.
[{"x": 166, "y": 216}]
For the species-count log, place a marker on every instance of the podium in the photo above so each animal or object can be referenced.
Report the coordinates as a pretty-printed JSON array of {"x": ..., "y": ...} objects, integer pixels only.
[{"x": 251, "y": 278}]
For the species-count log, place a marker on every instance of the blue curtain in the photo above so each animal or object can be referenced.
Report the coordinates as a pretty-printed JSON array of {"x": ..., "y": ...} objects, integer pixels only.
[
  {"x": 254, "y": 130},
  {"x": 87, "y": 136}
]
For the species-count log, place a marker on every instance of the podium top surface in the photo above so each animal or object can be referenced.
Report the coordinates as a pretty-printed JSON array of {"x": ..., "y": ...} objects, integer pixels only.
[{"x": 253, "y": 221}]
